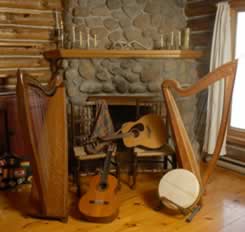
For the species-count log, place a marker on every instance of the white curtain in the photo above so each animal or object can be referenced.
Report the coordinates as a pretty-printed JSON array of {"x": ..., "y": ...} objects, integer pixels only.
[{"x": 220, "y": 54}]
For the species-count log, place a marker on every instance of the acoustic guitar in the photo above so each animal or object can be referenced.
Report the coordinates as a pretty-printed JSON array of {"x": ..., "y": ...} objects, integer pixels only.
[
  {"x": 100, "y": 203},
  {"x": 152, "y": 132},
  {"x": 149, "y": 131}
]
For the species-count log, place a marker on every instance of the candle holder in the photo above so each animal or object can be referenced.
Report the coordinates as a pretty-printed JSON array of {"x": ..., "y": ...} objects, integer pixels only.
[{"x": 86, "y": 41}]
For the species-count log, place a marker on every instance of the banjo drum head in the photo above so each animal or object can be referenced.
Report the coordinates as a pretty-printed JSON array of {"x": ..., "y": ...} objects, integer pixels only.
[{"x": 179, "y": 186}]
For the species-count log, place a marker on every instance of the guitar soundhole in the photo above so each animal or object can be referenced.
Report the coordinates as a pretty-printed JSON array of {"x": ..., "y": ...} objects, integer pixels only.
[
  {"x": 136, "y": 129},
  {"x": 103, "y": 186}
]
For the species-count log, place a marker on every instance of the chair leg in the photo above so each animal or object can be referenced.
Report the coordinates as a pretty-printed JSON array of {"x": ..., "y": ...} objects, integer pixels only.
[
  {"x": 134, "y": 170},
  {"x": 174, "y": 159},
  {"x": 118, "y": 171},
  {"x": 165, "y": 163},
  {"x": 77, "y": 177}
]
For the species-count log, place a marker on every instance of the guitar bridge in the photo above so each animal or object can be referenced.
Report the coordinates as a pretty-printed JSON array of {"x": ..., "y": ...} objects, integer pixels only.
[{"x": 99, "y": 202}]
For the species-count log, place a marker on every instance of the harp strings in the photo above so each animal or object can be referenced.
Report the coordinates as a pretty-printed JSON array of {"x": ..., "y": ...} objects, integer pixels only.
[
  {"x": 39, "y": 112},
  {"x": 200, "y": 120}
]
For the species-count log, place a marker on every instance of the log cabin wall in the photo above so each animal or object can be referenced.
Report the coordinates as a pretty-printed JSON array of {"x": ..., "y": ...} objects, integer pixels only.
[
  {"x": 200, "y": 18},
  {"x": 27, "y": 28}
]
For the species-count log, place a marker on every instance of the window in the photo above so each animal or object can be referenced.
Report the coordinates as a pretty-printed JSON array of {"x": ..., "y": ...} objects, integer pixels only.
[
  {"x": 237, "y": 122},
  {"x": 237, "y": 114}
]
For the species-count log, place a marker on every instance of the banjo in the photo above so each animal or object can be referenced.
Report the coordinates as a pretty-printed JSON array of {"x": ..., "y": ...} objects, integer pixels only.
[{"x": 180, "y": 190}]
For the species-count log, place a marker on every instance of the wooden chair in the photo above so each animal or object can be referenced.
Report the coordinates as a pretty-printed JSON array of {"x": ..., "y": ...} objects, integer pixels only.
[
  {"x": 164, "y": 155},
  {"x": 82, "y": 121}
]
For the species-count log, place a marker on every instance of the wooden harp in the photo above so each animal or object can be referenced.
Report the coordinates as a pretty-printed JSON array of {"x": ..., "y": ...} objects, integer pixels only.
[
  {"x": 185, "y": 153},
  {"x": 42, "y": 113}
]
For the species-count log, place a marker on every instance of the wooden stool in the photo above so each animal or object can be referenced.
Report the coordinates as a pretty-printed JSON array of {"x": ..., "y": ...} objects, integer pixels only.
[{"x": 140, "y": 153}]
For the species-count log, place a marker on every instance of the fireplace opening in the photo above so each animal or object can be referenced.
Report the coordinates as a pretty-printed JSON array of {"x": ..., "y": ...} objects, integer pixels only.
[
  {"x": 83, "y": 121},
  {"x": 121, "y": 114}
]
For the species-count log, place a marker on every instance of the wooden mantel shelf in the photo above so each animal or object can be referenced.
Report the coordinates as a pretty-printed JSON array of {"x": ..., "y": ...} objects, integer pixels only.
[{"x": 94, "y": 53}]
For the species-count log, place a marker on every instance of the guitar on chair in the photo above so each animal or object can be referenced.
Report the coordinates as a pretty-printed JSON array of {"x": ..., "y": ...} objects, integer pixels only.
[
  {"x": 149, "y": 131},
  {"x": 100, "y": 203}
]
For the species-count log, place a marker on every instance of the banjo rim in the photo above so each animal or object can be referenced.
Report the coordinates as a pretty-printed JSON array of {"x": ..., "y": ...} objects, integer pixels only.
[{"x": 171, "y": 204}]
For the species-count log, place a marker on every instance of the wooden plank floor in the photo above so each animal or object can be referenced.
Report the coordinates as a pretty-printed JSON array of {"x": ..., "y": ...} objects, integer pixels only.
[{"x": 223, "y": 210}]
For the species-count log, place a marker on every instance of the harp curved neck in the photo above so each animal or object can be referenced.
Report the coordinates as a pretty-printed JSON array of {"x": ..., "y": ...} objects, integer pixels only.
[
  {"x": 184, "y": 148},
  {"x": 224, "y": 72},
  {"x": 49, "y": 89}
]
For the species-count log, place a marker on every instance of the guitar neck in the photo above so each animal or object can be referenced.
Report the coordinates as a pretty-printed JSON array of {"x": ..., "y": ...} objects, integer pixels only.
[
  {"x": 106, "y": 169},
  {"x": 109, "y": 138},
  {"x": 116, "y": 136}
]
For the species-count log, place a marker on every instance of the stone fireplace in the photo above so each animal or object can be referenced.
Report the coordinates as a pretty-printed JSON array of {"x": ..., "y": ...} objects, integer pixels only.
[
  {"x": 123, "y": 20},
  {"x": 144, "y": 21}
]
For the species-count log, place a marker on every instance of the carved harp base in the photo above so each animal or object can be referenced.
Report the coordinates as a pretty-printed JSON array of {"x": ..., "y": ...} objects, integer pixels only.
[
  {"x": 33, "y": 212},
  {"x": 36, "y": 208}
]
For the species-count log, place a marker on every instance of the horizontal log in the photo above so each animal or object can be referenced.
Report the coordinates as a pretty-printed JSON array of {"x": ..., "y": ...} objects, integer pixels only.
[
  {"x": 28, "y": 30},
  {"x": 27, "y": 40},
  {"x": 8, "y": 77},
  {"x": 17, "y": 25},
  {"x": 11, "y": 82},
  {"x": 36, "y": 73},
  {"x": 201, "y": 39},
  {"x": 23, "y": 63},
  {"x": 201, "y": 24},
  {"x": 20, "y": 51},
  {"x": 44, "y": 46},
  {"x": 200, "y": 8},
  {"x": 30, "y": 4},
  {"x": 21, "y": 56},
  {"x": 28, "y": 11},
  {"x": 239, "y": 4},
  {"x": 28, "y": 19},
  {"x": 21, "y": 34}
]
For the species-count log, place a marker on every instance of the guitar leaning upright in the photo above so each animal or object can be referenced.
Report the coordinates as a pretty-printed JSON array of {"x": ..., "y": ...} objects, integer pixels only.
[
  {"x": 149, "y": 131},
  {"x": 100, "y": 203}
]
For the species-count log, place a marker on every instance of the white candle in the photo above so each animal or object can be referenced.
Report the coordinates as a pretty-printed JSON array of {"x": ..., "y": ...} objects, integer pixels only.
[
  {"x": 179, "y": 38},
  {"x": 81, "y": 39},
  {"x": 172, "y": 39},
  {"x": 62, "y": 33},
  {"x": 73, "y": 35},
  {"x": 187, "y": 38},
  {"x": 57, "y": 19},
  {"x": 161, "y": 41},
  {"x": 95, "y": 41},
  {"x": 88, "y": 39}
]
